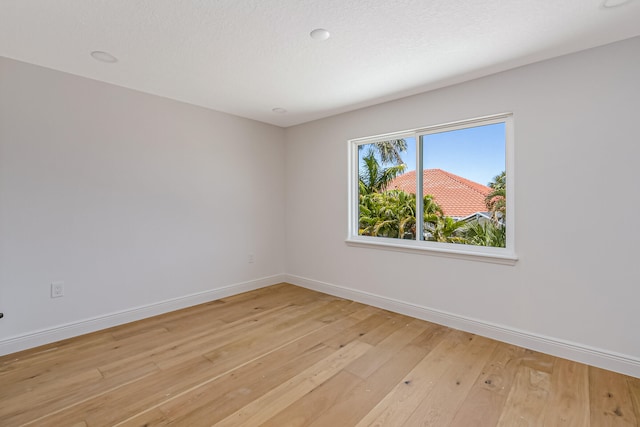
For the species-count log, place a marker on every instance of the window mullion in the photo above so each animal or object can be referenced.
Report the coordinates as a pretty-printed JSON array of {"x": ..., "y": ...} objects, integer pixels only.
[{"x": 419, "y": 198}]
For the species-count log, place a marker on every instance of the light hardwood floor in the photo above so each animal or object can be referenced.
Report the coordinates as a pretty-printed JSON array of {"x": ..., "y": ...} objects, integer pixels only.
[{"x": 287, "y": 356}]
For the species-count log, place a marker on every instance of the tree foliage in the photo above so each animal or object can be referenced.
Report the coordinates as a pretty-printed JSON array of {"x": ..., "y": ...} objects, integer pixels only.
[
  {"x": 485, "y": 234},
  {"x": 375, "y": 178},
  {"x": 496, "y": 200},
  {"x": 389, "y": 151},
  {"x": 445, "y": 230},
  {"x": 392, "y": 214}
]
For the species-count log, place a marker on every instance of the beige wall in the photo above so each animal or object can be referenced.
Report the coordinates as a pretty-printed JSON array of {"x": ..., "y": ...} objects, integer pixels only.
[
  {"x": 141, "y": 204},
  {"x": 132, "y": 200},
  {"x": 576, "y": 170}
]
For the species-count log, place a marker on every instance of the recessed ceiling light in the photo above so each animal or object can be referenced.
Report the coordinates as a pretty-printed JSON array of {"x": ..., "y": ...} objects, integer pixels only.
[
  {"x": 608, "y": 4},
  {"x": 279, "y": 110},
  {"x": 101, "y": 56},
  {"x": 319, "y": 34}
]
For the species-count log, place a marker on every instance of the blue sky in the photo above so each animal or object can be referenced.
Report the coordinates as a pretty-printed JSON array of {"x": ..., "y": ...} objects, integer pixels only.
[{"x": 476, "y": 153}]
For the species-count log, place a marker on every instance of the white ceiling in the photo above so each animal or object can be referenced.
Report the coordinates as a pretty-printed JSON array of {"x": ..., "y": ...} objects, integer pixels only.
[{"x": 246, "y": 57}]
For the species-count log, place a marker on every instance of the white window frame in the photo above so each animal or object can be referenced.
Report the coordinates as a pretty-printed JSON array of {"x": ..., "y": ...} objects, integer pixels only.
[{"x": 506, "y": 255}]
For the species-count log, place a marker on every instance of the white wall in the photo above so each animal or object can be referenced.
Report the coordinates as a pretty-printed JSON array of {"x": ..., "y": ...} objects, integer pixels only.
[
  {"x": 577, "y": 283},
  {"x": 132, "y": 200},
  {"x": 141, "y": 205}
]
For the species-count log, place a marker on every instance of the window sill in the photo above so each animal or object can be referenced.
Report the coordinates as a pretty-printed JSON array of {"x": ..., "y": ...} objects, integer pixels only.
[{"x": 448, "y": 250}]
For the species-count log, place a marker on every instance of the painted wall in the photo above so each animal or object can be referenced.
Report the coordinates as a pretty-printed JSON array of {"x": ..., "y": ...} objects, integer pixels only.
[
  {"x": 137, "y": 201},
  {"x": 130, "y": 199},
  {"x": 577, "y": 197}
]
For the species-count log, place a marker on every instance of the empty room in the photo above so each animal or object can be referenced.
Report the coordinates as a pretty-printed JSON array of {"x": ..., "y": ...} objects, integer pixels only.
[{"x": 319, "y": 213}]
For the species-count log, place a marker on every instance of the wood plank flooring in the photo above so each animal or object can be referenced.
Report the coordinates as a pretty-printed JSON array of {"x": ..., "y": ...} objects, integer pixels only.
[{"x": 287, "y": 356}]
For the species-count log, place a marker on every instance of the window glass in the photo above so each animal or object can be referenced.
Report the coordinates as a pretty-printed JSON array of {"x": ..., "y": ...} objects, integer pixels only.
[
  {"x": 384, "y": 211},
  {"x": 464, "y": 185}
]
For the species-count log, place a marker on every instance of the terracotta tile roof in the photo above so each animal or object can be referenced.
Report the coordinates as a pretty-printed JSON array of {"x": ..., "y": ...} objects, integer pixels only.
[{"x": 457, "y": 196}]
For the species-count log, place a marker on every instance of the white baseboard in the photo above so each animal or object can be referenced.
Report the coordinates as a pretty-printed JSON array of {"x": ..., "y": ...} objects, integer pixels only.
[
  {"x": 621, "y": 363},
  {"x": 69, "y": 330}
]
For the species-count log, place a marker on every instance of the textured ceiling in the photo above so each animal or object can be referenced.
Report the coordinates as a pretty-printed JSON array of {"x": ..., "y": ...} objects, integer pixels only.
[{"x": 246, "y": 57}]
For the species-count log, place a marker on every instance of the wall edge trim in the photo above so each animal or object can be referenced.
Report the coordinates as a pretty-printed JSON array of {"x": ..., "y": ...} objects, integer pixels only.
[
  {"x": 69, "y": 330},
  {"x": 621, "y": 363}
]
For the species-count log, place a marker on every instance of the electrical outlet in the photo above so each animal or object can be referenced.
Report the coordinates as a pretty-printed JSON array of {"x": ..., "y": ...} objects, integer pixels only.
[
  {"x": 251, "y": 258},
  {"x": 57, "y": 289}
]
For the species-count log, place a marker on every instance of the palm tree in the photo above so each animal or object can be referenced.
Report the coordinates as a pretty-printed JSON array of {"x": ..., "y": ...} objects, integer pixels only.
[
  {"x": 368, "y": 208},
  {"x": 391, "y": 213},
  {"x": 485, "y": 234},
  {"x": 431, "y": 210},
  {"x": 397, "y": 215},
  {"x": 446, "y": 230},
  {"x": 381, "y": 213},
  {"x": 373, "y": 178},
  {"x": 389, "y": 151},
  {"x": 496, "y": 200}
]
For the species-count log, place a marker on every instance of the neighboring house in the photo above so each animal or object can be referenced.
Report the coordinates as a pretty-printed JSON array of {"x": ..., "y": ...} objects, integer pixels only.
[
  {"x": 480, "y": 217},
  {"x": 458, "y": 197}
]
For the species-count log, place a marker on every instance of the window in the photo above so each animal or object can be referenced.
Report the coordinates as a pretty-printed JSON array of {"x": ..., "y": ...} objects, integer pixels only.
[{"x": 463, "y": 175}]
